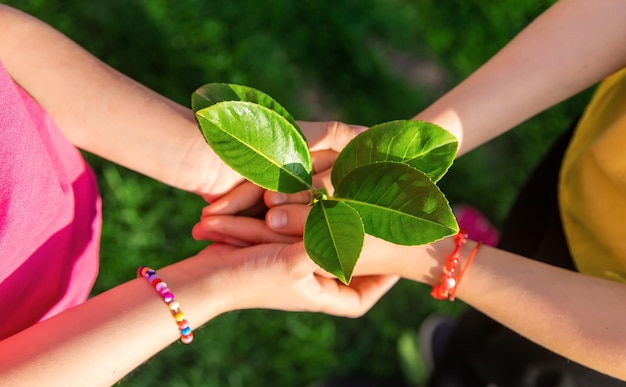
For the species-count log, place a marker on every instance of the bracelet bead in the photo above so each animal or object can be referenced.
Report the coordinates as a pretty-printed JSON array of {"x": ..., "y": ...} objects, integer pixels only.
[
  {"x": 186, "y": 334},
  {"x": 187, "y": 339}
]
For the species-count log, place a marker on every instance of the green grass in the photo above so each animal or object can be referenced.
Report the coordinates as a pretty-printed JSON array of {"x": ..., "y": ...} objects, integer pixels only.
[{"x": 340, "y": 59}]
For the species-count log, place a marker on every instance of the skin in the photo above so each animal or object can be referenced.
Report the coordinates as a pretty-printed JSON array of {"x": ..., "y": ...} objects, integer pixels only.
[
  {"x": 105, "y": 338},
  {"x": 568, "y": 48},
  {"x": 106, "y": 113},
  {"x": 97, "y": 108}
]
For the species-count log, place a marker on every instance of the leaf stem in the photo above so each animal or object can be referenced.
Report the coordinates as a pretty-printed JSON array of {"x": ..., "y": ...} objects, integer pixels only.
[{"x": 317, "y": 195}]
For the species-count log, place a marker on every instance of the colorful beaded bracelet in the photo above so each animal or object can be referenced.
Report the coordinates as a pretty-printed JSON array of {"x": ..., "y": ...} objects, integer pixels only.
[
  {"x": 186, "y": 335},
  {"x": 449, "y": 281}
]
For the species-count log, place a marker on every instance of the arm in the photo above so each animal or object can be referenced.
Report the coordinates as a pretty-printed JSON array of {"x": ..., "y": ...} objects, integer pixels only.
[
  {"x": 570, "y": 47},
  {"x": 103, "y": 339},
  {"x": 106, "y": 113},
  {"x": 101, "y": 110},
  {"x": 575, "y": 315},
  {"x": 567, "y": 49}
]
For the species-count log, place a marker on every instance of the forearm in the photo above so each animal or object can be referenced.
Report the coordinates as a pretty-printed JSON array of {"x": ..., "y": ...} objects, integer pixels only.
[
  {"x": 101, "y": 110},
  {"x": 567, "y": 49},
  {"x": 102, "y": 340},
  {"x": 577, "y": 316}
]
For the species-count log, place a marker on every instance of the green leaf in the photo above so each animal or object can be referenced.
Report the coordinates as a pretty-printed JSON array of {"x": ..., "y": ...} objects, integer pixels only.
[
  {"x": 212, "y": 93},
  {"x": 259, "y": 144},
  {"x": 333, "y": 237},
  {"x": 423, "y": 145},
  {"x": 398, "y": 203}
]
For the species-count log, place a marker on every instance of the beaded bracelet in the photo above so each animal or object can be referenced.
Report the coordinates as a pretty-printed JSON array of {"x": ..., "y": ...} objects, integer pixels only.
[{"x": 186, "y": 335}]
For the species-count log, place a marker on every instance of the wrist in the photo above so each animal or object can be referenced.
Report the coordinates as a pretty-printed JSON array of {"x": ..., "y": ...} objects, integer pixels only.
[
  {"x": 200, "y": 170},
  {"x": 196, "y": 285},
  {"x": 451, "y": 269},
  {"x": 425, "y": 263}
]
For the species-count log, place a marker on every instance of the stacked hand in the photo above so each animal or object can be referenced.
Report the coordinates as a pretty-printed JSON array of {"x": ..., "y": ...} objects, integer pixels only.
[{"x": 252, "y": 222}]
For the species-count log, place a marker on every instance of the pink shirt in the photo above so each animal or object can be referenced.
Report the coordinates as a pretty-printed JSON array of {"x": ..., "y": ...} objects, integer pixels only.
[{"x": 50, "y": 215}]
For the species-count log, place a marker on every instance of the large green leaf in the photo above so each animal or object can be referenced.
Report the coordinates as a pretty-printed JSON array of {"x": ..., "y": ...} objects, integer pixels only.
[
  {"x": 259, "y": 144},
  {"x": 423, "y": 145},
  {"x": 333, "y": 237},
  {"x": 398, "y": 203},
  {"x": 212, "y": 93}
]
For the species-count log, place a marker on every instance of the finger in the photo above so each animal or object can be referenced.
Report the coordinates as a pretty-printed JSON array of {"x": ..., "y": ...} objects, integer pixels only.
[
  {"x": 333, "y": 135},
  {"x": 357, "y": 298},
  {"x": 323, "y": 180},
  {"x": 199, "y": 233},
  {"x": 244, "y": 198},
  {"x": 288, "y": 219},
  {"x": 272, "y": 199},
  {"x": 323, "y": 159},
  {"x": 250, "y": 231},
  {"x": 218, "y": 238}
]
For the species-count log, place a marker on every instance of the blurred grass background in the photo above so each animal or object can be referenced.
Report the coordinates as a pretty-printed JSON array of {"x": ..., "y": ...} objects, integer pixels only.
[{"x": 362, "y": 62}]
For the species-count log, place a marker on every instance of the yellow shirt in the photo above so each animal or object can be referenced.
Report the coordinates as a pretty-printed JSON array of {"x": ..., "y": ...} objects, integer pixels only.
[{"x": 592, "y": 187}]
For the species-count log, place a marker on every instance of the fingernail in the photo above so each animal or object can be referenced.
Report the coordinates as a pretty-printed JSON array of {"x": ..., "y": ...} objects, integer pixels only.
[
  {"x": 210, "y": 222},
  {"x": 278, "y": 198},
  {"x": 277, "y": 219},
  {"x": 213, "y": 208}
]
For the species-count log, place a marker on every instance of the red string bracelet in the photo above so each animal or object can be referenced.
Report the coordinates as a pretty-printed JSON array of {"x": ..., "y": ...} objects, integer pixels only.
[
  {"x": 470, "y": 258},
  {"x": 186, "y": 335},
  {"x": 447, "y": 282}
]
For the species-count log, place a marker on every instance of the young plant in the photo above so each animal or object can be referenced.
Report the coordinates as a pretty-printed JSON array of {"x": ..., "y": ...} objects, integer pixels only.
[{"x": 383, "y": 180}]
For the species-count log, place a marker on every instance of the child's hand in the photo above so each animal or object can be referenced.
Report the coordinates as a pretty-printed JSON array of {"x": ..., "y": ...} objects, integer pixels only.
[
  {"x": 246, "y": 202},
  {"x": 281, "y": 276},
  {"x": 330, "y": 135},
  {"x": 285, "y": 223}
]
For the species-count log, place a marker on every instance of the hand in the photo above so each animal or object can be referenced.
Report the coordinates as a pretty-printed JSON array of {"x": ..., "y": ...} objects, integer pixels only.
[
  {"x": 284, "y": 222},
  {"x": 219, "y": 179},
  {"x": 250, "y": 200},
  {"x": 281, "y": 276},
  {"x": 332, "y": 135}
]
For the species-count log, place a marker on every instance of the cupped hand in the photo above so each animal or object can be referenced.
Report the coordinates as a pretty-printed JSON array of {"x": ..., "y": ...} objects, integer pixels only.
[
  {"x": 217, "y": 179},
  {"x": 285, "y": 223},
  {"x": 282, "y": 276},
  {"x": 249, "y": 200},
  {"x": 331, "y": 135}
]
